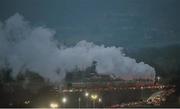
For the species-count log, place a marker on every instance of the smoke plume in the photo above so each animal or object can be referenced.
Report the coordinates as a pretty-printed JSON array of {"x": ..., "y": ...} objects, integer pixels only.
[{"x": 34, "y": 48}]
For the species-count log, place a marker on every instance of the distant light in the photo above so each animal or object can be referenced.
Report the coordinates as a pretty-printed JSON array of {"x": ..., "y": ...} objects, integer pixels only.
[
  {"x": 26, "y": 102},
  {"x": 94, "y": 96},
  {"x": 100, "y": 100},
  {"x": 86, "y": 94},
  {"x": 64, "y": 99},
  {"x": 71, "y": 90},
  {"x": 79, "y": 99},
  {"x": 53, "y": 105},
  {"x": 10, "y": 104}
]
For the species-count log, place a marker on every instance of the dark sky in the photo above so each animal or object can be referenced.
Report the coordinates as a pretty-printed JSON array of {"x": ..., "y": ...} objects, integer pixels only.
[{"x": 127, "y": 23}]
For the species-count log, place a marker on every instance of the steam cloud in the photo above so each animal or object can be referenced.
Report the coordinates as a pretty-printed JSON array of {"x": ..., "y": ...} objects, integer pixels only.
[{"x": 35, "y": 48}]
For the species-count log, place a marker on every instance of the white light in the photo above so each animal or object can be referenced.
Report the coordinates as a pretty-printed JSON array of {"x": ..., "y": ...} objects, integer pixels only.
[
  {"x": 100, "y": 100},
  {"x": 64, "y": 100},
  {"x": 86, "y": 94},
  {"x": 53, "y": 105},
  {"x": 71, "y": 90}
]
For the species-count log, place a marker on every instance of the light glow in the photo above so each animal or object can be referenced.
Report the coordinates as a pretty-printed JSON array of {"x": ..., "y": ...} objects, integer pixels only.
[
  {"x": 100, "y": 100},
  {"x": 54, "y": 105},
  {"x": 64, "y": 99},
  {"x": 86, "y": 94},
  {"x": 94, "y": 96}
]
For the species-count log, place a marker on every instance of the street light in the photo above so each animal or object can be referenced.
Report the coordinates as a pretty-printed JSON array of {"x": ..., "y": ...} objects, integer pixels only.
[
  {"x": 79, "y": 100},
  {"x": 86, "y": 94},
  {"x": 64, "y": 100},
  {"x": 142, "y": 88},
  {"x": 53, "y": 105},
  {"x": 100, "y": 100},
  {"x": 94, "y": 97},
  {"x": 158, "y": 78}
]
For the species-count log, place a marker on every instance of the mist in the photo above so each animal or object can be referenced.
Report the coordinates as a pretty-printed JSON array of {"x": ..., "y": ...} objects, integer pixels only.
[{"x": 35, "y": 48}]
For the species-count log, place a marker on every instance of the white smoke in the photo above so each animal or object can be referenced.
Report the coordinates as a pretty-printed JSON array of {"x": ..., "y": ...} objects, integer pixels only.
[{"x": 35, "y": 48}]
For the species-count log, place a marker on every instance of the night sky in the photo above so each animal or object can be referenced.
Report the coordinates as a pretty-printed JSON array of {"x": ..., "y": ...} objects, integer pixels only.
[{"x": 126, "y": 23}]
